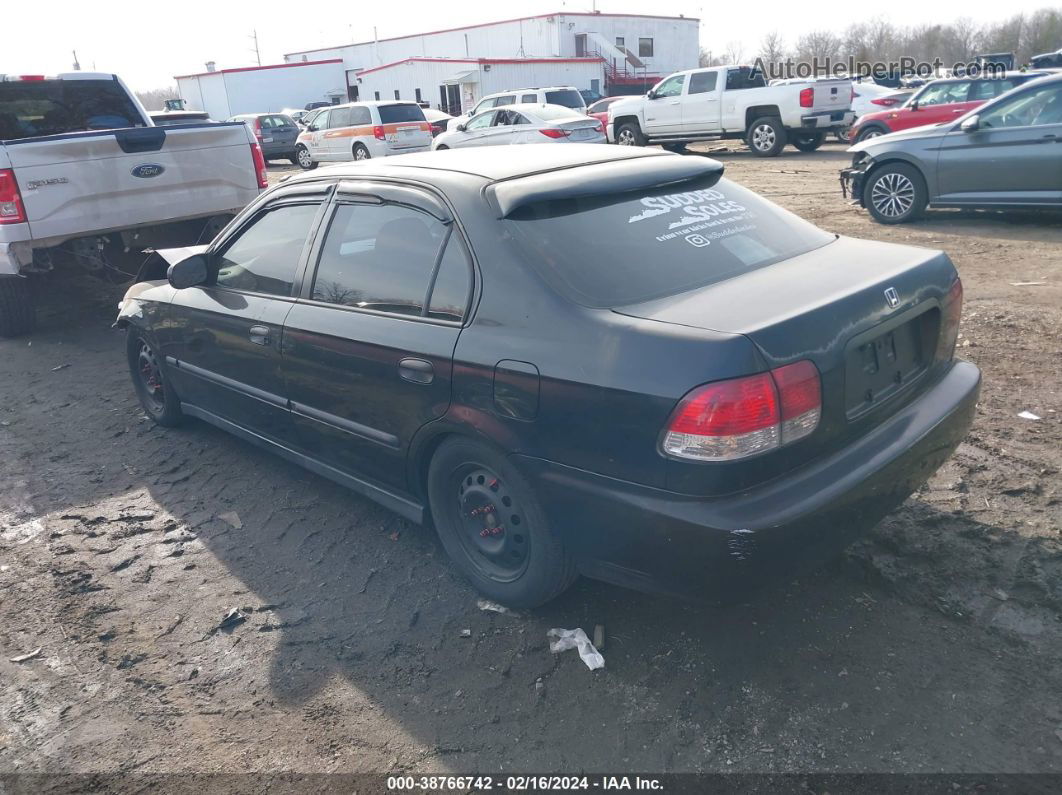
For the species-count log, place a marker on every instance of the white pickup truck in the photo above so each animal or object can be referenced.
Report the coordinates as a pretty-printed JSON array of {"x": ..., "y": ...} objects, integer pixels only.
[
  {"x": 87, "y": 180},
  {"x": 732, "y": 102}
]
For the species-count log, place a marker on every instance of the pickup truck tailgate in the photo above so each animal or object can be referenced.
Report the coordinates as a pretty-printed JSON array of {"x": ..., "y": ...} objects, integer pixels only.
[
  {"x": 831, "y": 95},
  {"x": 116, "y": 179}
]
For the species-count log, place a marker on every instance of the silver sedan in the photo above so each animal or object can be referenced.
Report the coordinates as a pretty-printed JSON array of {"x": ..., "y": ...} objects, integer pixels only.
[{"x": 523, "y": 124}]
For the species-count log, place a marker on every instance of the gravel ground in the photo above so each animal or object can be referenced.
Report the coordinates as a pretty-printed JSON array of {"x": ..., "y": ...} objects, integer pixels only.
[{"x": 932, "y": 646}]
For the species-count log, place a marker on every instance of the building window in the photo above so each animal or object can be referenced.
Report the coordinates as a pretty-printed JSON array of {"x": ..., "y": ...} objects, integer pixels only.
[
  {"x": 645, "y": 48},
  {"x": 416, "y": 93},
  {"x": 397, "y": 95},
  {"x": 620, "y": 42},
  {"x": 377, "y": 95}
]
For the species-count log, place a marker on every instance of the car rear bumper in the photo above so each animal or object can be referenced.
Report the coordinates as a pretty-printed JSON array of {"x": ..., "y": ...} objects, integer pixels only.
[
  {"x": 657, "y": 540},
  {"x": 827, "y": 120}
]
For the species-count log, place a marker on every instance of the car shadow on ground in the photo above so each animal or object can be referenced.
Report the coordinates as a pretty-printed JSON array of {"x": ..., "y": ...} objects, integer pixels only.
[{"x": 352, "y": 619}]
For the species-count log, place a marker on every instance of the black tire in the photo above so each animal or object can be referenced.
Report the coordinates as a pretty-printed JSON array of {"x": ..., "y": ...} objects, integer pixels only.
[
  {"x": 872, "y": 131},
  {"x": 17, "y": 314},
  {"x": 678, "y": 148},
  {"x": 523, "y": 564},
  {"x": 151, "y": 382},
  {"x": 293, "y": 159},
  {"x": 360, "y": 152},
  {"x": 807, "y": 142},
  {"x": 766, "y": 136},
  {"x": 630, "y": 134},
  {"x": 843, "y": 134},
  {"x": 895, "y": 193},
  {"x": 441, "y": 147},
  {"x": 303, "y": 159}
]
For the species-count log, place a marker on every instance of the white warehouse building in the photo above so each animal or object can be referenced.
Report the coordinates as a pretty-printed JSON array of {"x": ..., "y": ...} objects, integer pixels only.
[
  {"x": 452, "y": 69},
  {"x": 256, "y": 89}
]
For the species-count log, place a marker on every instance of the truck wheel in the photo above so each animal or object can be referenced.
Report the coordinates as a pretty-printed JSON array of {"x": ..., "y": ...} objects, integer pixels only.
[
  {"x": 895, "y": 193},
  {"x": 678, "y": 148},
  {"x": 766, "y": 136},
  {"x": 304, "y": 159},
  {"x": 17, "y": 315},
  {"x": 843, "y": 134},
  {"x": 808, "y": 142},
  {"x": 629, "y": 134},
  {"x": 490, "y": 522},
  {"x": 360, "y": 152}
]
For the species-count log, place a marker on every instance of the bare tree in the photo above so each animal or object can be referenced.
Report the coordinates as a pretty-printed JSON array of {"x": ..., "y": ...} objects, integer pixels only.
[
  {"x": 733, "y": 53},
  {"x": 153, "y": 98},
  {"x": 772, "y": 48},
  {"x": 818, "y": 45}
]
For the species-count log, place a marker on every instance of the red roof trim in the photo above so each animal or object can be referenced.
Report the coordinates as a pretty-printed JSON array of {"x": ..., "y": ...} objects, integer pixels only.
[
  {"x": 497, "y": 22},
  {"x": 260, "y": 68},
  {"x": 491, "y": 61}
]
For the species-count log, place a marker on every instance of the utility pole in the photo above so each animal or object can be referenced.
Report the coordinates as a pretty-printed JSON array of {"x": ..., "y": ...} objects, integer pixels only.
[{"x": 257, "y": 54}]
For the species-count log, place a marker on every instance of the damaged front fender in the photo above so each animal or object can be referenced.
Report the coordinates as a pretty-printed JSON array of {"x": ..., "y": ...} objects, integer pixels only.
[
  {"x": 138, "y": 301},
  {"x": 852, "y": 178}
]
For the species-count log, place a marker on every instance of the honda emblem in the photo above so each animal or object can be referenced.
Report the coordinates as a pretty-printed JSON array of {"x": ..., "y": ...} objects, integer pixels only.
[{"x": 892, "y": 297}]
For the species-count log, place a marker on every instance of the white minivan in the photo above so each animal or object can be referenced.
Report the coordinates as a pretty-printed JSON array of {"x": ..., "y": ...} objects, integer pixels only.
[{"x": 361, "y": 130}]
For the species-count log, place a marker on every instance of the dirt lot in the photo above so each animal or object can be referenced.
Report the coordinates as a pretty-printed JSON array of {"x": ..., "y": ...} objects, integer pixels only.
[{"x": 933, "y": 646}]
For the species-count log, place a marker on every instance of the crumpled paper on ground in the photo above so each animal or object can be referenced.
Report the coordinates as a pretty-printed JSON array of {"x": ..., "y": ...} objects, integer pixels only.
[{"x": 564, "y": 639}]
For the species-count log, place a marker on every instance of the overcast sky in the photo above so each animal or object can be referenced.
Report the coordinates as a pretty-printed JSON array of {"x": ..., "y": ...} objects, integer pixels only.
[{"x": 148, "y": 43}]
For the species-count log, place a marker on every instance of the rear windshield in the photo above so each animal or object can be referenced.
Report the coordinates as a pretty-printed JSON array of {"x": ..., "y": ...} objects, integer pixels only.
[
  {"x": 389, "y": 114},
  {"x": 609, "y": 251},
  {"x": 569, "y": 98},
  {"x": 29, "y": 108}
]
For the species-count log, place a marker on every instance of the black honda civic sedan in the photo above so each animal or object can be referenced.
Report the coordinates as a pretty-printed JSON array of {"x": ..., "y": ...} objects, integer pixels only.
[{"x": 568, "y": 359}]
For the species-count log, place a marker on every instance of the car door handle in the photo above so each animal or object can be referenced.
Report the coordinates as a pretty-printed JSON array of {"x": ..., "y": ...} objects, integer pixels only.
[
  {"x": 259, "y": 335},
  {"x": 1051, "y": 137},
  {"x": 416, "y": 371}
]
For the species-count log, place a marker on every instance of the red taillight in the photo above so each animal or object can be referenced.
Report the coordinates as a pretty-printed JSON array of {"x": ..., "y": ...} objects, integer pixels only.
[
  {"x": 807, "y": 97},
  {"x": 378, "y": 133},
  {"x": 950, "y": 315},
  {"x": 885, "y": 103},
  {"x": 11, "y": 208},
  {"x": 260, "y": 166},
  {"x": 258, "y": 129},
  {"x": 553, "y": 132},
  {"x": 734, "y": 419},
  {"x": 31, "y": 78}
]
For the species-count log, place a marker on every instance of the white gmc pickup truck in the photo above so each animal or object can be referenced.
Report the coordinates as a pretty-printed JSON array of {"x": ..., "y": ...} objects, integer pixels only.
[
  {"x": 732, "y": 102},
  {"x": 87, "y": 180}
]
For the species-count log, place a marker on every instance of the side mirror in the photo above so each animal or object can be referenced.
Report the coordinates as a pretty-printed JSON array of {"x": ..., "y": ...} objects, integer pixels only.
[
  {"x": 650, "y": 94},
  {"x": 188, "y": 272},
  {"x": 460, "y": 128},
  {"x": 914, "y": 105},
  {"x": 312, "y": 128},
  {"x": 972, "y": 124}
]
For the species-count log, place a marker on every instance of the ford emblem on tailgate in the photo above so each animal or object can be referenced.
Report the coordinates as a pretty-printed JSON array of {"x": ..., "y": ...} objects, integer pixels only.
[{"x": 147, "y": 170}]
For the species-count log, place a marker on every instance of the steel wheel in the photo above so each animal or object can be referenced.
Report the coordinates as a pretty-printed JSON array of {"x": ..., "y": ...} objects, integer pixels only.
[
  {"x": 625, "y": 137},
  {"x": 893, "y": 195},
  {"x": 489, "y": 523},
  {"x": 151, "y": 377},
  {"x": 763, "y": 137}
]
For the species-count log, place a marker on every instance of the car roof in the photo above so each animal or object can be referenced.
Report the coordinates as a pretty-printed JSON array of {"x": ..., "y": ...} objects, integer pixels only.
[
  {"x": 531, "y": 88},
  {"x": 489, "y": 162},
  {"x": 371, "y": 103}
]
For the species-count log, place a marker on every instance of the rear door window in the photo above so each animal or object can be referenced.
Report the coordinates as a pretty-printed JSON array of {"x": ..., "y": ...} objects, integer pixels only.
[
  {"x": 30, "y": 108},
  {"x": 506, "y": 100},
  {"x": 360, "y": 116},
  {"x": 702, "y": 82},
  {"x": 568, "y": 97},
  {"x": 339, "y": 117},
  {"x": 264, "y": 256},
  {"x": 382, "y": 257},
  {"x": 656, "y": 243},
  {"x": 392, "y": 114},
  {"x": 532, "y": 98}
]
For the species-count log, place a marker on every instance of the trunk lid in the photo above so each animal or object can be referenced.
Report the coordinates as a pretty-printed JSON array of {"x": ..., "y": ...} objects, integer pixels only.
[
  {"x": 830, "y": 95},
  {"x": 115, "y": 179},
  {"x": 867, "y": 314}
]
